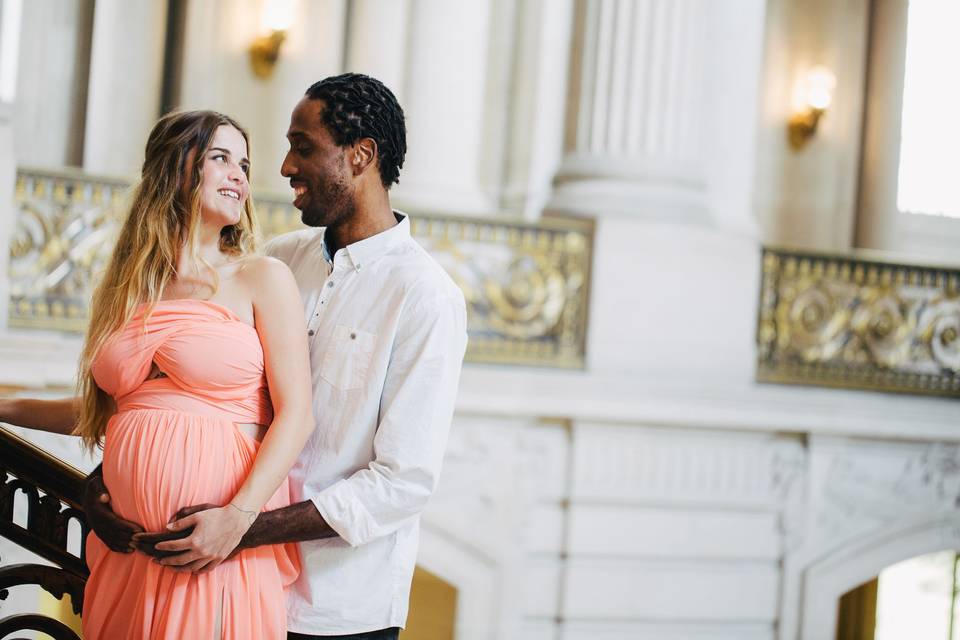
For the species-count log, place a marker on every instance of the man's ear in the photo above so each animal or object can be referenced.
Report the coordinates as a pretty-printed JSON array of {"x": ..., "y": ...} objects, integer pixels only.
[{"x": 364, "y": 154}]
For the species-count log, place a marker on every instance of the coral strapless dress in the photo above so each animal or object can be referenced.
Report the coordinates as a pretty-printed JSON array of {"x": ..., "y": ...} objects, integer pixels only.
[{"x": 173, "y": 443}]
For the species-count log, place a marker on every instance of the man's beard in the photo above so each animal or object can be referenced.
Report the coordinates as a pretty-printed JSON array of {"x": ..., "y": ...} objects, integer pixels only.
[{"x": 337, "y": 206}]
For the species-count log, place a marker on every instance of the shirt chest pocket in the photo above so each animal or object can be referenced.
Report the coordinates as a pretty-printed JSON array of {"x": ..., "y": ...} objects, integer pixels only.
[{"x": 346, "y": 362}]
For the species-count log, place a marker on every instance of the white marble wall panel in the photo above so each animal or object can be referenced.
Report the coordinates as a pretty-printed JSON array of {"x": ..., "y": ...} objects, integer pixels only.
[
  {"x": 673, "y": 533},
  {"x": 619, "y": 589},
  {"x": 38, "y": 361},
  {"x": 542, "y": 584},
  {"x": 534, "y": 629},
  {"x": 497, "y": 475},
  {"x": 667, "y": 631},
  {"x": 704, "y": 281},
  {"x": 544, "y": 529}
]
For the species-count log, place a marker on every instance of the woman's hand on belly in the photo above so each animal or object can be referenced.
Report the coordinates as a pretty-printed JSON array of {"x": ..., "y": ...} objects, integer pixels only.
[{"x": 216, "y": 533}]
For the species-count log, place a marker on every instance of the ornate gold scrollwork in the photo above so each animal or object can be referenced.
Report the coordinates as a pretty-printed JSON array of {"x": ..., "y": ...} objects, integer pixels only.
[
  {"x": 529, "y": 304},
  {"x": 842, "y": 321},
  {"x": 526, "y": 284}
]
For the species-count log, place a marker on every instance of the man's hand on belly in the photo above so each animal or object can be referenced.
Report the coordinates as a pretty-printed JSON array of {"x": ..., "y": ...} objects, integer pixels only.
[
  {"x": 147, "y": 542},
  {"x": 213, "y": 534},
  {"x": 115, "y": 532},
  {"x": 293, "y": 523}
]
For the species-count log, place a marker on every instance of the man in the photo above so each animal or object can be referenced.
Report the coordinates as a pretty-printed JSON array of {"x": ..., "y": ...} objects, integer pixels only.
[{"x": 387, "y": 332}]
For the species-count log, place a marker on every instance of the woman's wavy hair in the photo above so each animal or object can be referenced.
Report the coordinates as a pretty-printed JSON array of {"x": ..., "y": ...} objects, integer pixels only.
[{"x": 163, "y": 220}]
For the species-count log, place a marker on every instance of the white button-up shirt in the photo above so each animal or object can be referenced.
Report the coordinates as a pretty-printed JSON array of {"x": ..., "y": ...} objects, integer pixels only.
[{"x": 387, "y": 331}]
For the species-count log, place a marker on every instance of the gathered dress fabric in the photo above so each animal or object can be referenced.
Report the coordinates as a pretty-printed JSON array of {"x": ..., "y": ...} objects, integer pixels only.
[{"x": 172, "y": 443}]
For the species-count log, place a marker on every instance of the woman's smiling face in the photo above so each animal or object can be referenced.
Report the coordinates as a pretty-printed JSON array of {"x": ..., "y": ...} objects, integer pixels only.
[{"x": 224, "y": 187}]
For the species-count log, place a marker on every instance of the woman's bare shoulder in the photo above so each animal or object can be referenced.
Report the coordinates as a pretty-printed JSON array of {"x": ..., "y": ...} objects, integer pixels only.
[
  {"x": 260, "y": 269},
  {"x": 268, "y": 281}
]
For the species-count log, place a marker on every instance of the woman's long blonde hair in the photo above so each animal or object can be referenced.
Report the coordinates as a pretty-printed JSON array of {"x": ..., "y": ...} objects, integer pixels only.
[{"x": 164, "y": 219}]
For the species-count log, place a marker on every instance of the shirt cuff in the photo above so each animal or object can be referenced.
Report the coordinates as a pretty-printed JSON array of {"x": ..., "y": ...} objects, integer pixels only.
[{"x": 340, "y": 508}]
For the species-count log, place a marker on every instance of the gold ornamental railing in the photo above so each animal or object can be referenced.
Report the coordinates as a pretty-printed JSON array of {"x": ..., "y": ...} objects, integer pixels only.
[
  {"x": 40, "y": 522},
  {"x": 526, "y": 284},
  {"x": 860, "y": 322}
]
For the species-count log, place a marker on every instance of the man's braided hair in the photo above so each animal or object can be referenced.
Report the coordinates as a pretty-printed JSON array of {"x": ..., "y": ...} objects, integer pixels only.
[{"x": 358, "y": 106}]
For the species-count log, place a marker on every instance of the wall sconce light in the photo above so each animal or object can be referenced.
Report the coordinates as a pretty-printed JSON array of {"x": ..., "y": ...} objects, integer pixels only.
[
  {"x": 815, "y": 95},
  {"x": 275, "y": 19}
]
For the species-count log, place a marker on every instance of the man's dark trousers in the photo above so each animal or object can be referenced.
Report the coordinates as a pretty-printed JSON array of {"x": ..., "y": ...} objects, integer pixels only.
[{"x": 384, "y": 634}]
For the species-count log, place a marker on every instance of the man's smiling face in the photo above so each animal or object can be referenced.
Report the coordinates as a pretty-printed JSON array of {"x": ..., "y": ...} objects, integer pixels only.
[{"x": 317, "y": 168}]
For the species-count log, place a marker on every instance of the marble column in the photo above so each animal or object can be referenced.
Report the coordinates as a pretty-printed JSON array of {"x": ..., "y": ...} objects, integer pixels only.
[
  {"x": 537, "y": 105},
  {"x": 10, "y": 29},
  {"x": 633, "y": 142},
  {"x": 8, "y": 172},
  {"x": 51, "y": 82},
  {"x": 126, "y": 73},
  {"x": 377, "y": 41},
  {"x": 454, "y": 95}
]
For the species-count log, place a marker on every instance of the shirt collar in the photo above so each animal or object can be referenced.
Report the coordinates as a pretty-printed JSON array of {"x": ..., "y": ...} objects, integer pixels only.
[{"x": 369, "y": 249}]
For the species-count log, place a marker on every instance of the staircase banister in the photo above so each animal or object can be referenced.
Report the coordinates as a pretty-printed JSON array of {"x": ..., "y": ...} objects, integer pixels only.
[{"x": 29, "y": 462}]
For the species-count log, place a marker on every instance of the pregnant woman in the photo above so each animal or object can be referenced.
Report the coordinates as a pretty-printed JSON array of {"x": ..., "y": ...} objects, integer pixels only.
[{"x": 188, "y": 331}]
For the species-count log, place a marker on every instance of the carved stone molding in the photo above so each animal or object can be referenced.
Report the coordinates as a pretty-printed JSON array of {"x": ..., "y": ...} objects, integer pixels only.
[
  {"x": 640, "y": 466},
  {"x": 870, "y": 504},
  {"x": 526, "y": 284},
  {"x": 866, "y": 487},
  {"x": 494, "y": 471},
  {"x": 846, "y": 321}
]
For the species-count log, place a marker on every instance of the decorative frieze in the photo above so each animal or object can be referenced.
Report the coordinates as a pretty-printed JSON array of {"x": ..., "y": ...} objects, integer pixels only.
[
  {"x": 655, "y": 466},
  {"x": 846, "y": 321},
  {"x": 526, "y": 284}
]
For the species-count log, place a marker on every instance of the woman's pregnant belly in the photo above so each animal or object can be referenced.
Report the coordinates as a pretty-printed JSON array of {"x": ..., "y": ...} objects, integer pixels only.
[{"x": 156, "y": 462}]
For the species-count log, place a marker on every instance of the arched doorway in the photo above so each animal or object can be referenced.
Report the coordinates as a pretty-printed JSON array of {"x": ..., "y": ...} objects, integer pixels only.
[
  {"x": 857, "y": 619},
  {"x": 914, "y": 598},
  {"x": 433, "y": 608},
  {"x": 848, "y": 566}
]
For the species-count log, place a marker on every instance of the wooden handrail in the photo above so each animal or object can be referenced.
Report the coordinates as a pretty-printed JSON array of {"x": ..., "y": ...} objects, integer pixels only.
[
  {"x": 29, "y": 462},
  {"x": 52, "y": 490}
]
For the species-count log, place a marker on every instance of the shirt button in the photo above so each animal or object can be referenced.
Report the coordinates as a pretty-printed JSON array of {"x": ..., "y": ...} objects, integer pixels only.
[
  {"x": 353, "y": 336},
  {"x": 311, "y": 332},
  {"x": 330, "y": 284}
]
